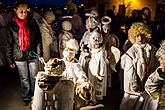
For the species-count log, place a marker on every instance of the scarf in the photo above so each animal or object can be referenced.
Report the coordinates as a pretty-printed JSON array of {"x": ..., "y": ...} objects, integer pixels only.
[
  {"x": 142, "y": 59},
  {"x": 23, "y": 33}
]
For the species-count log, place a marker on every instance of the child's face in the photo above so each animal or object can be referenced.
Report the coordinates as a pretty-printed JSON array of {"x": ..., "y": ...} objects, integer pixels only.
[
  {"x": 68, "y": 54},
  {"x": 140, "y": 39},
  {"x": 95, "y": 46},
  {"x": 162, "y": 62},
  {"x": 21, "y": 11},
  {"x": 105, "y": 30}
]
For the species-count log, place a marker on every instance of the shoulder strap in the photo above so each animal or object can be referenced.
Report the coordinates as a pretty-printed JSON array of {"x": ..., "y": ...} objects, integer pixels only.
[{"x": 129, "y": 55}]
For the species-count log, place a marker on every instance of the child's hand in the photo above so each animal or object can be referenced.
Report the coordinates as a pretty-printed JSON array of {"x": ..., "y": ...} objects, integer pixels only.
[
  {"x": 12, "y": 65},
  {"x": 100, "y": 78}
]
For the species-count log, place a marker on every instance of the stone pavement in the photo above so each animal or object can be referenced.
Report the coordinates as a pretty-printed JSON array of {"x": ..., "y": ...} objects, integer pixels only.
[{"x": 10, "y": 93}]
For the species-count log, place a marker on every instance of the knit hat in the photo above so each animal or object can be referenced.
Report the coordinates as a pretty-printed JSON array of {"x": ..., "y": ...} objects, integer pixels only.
[
  {"x": 66, "y": 25},
  {"x": 72, "y": 44}
]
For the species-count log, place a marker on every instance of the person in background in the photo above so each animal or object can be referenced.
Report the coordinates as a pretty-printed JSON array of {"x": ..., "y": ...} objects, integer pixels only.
[
  {"x": 24, "y": 46},
  {"x": 106, "y": 29},
  {"x": 64, "y": 36},
  {"x": 111, "y": 43},
  {"x": 3, "y": 42},
  {"x": 133, "y": 18},
  {"x": 35, "y": 15},
  {"x": 71, "y": 7},
  {"x": 145, "y": 17},
  {"x": 49, "y": 41},
  {"x": 76, "y": 21},
  {"x": 3, "y": 18}
]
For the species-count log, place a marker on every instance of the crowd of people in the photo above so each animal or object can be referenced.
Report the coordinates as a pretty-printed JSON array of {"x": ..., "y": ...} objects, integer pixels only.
[{"x": 105, "y": 45}]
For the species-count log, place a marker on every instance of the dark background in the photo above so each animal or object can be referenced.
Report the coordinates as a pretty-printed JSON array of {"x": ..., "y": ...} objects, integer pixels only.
[{"x": 41, "y": 2}]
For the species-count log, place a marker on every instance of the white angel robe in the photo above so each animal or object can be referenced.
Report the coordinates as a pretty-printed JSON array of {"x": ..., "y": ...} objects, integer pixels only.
[{"x": 97, "y": 72}]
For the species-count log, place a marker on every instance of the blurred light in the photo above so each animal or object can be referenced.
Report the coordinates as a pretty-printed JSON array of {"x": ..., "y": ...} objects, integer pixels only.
[
  {"x": 82, "y": 4},
  {"x": 65, "y": 8},
  {"x": 130, "y": 5}
]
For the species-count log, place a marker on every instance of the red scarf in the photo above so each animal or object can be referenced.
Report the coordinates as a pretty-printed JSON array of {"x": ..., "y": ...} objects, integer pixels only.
[{"x": 23, "y": 33}]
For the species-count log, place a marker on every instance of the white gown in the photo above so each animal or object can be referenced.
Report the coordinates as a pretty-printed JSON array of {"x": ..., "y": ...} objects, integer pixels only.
[
  {"x": 138, "y": 64},
  {"x": 74, "y": 72},
  {"x": 98, "y": 68}
]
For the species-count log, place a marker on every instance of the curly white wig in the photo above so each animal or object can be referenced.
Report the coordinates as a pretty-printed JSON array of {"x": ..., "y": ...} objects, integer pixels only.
[{"x": 161, "y": 50}]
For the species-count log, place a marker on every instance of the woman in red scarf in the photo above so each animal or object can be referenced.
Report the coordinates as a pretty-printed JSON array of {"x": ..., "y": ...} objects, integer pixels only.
[{"x": 24, "y": 48}]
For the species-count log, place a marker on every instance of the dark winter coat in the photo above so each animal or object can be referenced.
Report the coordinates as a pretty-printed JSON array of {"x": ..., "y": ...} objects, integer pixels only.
[
  {"x": 3, "y": 44},
  {"x": 13, "y": 49}
]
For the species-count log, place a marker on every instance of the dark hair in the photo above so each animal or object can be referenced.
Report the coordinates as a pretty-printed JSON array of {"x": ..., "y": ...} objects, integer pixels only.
[
  {"x": 20, "y": 2},
  {"x": 142, "y": 12}
]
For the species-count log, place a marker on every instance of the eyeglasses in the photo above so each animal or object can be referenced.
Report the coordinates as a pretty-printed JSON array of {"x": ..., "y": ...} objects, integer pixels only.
[{"x": 23, "y": 12}]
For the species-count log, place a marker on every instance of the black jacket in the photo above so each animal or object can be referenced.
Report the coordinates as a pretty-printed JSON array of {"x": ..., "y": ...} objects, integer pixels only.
[
  {"x": 13, "y": 49},
  {"x": 3, "y": 44}
]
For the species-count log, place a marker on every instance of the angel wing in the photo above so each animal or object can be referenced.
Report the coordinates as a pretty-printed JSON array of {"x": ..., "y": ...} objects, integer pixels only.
[{"x": 116, "y": 54}]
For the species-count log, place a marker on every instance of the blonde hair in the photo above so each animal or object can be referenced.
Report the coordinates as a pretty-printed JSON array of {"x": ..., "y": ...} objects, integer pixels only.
[{"x": 138, "y": 28}]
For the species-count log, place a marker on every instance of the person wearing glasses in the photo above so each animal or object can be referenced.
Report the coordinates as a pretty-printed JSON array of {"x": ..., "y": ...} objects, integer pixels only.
[{"x": 23, "y": 39}]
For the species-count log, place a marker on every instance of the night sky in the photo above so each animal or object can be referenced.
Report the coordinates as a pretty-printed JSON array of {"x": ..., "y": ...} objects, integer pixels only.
[{"x": 42, "y": 2}]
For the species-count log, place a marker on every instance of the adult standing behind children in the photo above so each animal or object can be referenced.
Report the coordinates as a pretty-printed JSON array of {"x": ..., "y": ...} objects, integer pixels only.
[
  {"x": 23, "y": 48},
  {"x": 3, "y": 38},
  {"x": 49, "y": 41}
]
